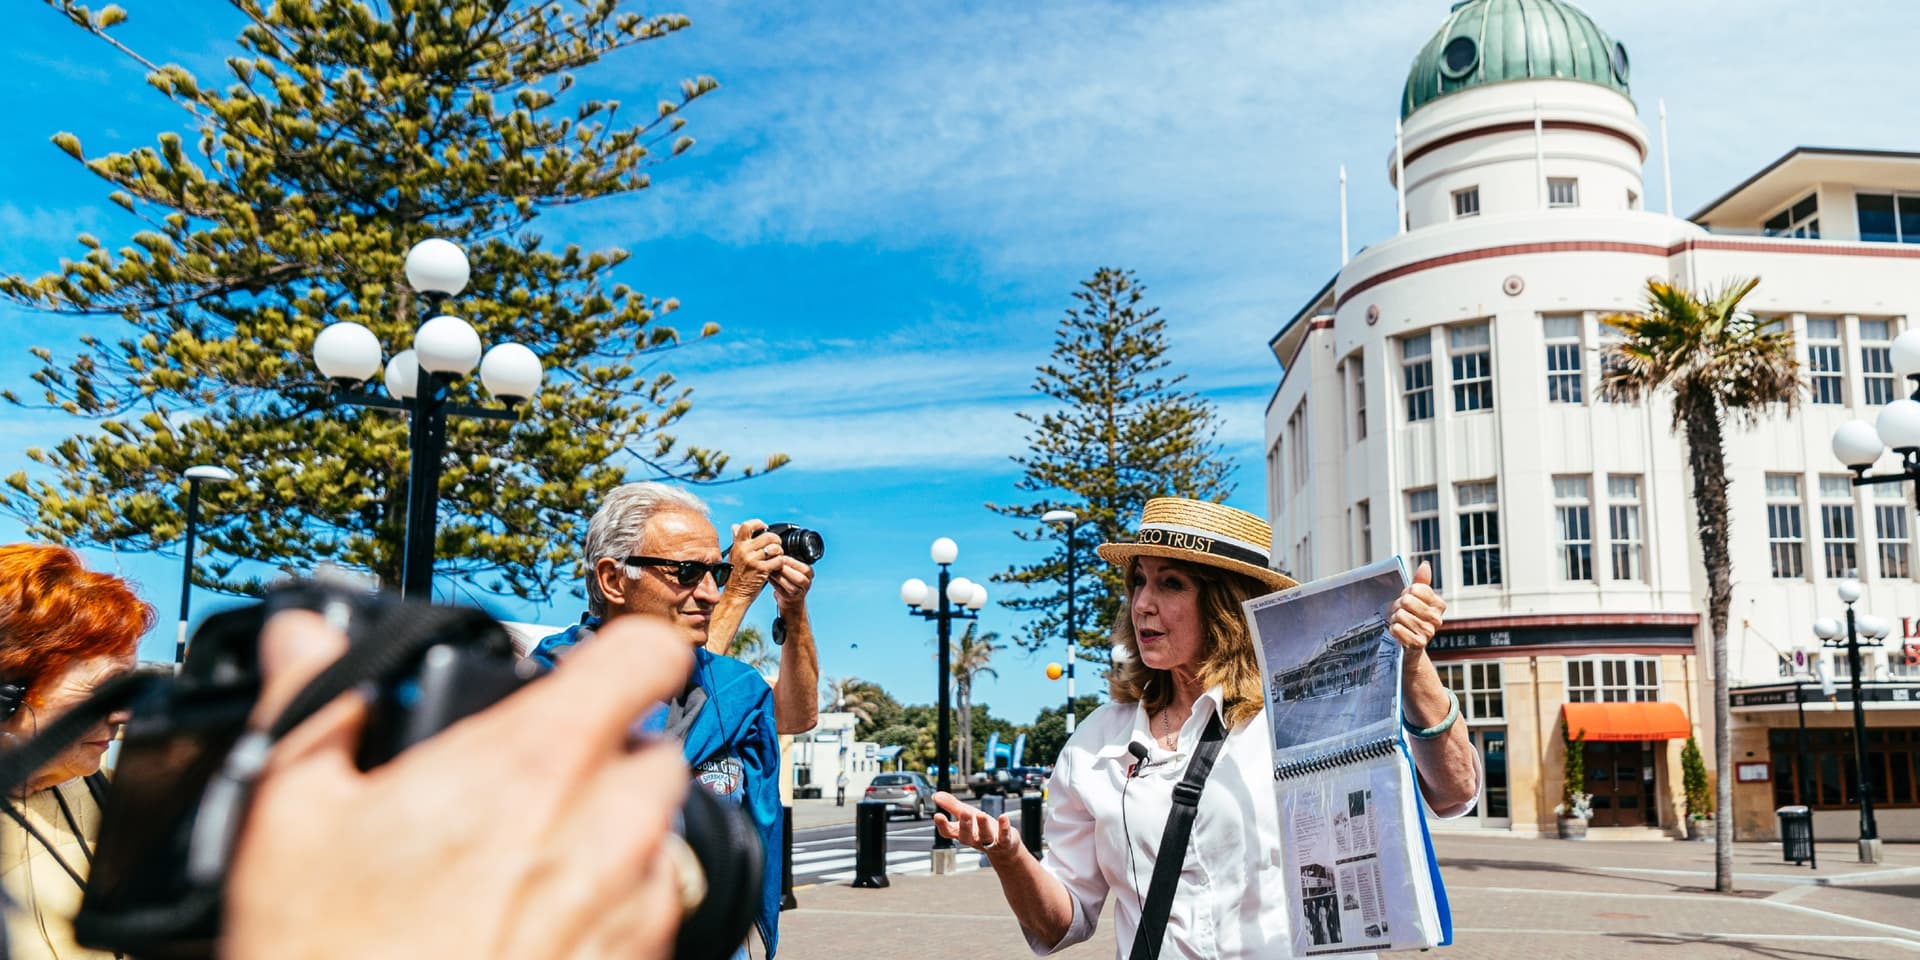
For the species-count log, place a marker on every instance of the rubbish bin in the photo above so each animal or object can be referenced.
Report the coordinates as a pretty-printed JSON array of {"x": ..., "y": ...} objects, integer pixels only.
[
  {"x": 870, "y": 844},
  {"x": 1796, "y": 836}
]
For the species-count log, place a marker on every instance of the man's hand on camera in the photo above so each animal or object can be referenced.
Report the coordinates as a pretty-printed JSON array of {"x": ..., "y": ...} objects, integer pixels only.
[
  {"x": 790, "y": 585},
  {"x": 531, "y": 829},
  {"x": 756, "y": 557}
]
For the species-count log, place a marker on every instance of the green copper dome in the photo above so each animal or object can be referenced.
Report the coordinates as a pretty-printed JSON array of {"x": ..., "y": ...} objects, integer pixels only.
[{"x": 1488, "y": 41}]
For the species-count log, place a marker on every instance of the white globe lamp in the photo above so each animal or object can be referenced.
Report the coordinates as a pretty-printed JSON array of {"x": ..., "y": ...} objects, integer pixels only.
[
  {"x": 945, "y": 551},
  {"x": 437, "y": 266},
  {"x": 347, "y": 351},
  {"x": 511, "y": 372},
  {"x": 403, "y": 376},
  {"x": 447, "y": 345}
]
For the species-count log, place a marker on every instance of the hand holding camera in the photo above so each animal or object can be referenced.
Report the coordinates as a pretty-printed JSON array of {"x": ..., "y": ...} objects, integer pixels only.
[
  {"x": 780, "y": 554},
  {"x": 529, "y": 829}
]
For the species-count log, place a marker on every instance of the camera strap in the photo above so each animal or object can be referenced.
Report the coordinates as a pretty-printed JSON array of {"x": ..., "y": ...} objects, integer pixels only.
[{"x": 379, "y": 649}]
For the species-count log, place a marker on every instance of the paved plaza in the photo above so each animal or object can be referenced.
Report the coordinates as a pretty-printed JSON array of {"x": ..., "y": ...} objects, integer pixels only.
[{"x": 1512, "y": 898}]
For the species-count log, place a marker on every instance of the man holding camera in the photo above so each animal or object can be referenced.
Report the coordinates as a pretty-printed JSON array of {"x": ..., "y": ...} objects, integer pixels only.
[{"x": 652, "y": 549}]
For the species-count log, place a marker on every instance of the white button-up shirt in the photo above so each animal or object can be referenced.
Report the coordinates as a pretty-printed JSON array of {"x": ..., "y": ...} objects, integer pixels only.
[{"x": 1103, "y": 834}]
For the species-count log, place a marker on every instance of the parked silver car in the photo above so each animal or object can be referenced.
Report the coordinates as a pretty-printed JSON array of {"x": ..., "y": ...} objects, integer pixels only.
[{"x": 908, "y": 791}]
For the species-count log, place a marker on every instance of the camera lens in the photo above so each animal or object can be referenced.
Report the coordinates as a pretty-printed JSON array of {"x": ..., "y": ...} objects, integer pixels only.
[{"x": 799, "y": 543}]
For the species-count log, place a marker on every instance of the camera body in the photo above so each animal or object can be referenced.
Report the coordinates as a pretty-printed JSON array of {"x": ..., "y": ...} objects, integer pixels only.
[
  {"x": 799, "y": 543},
  {"x": 156, "y": 884}
]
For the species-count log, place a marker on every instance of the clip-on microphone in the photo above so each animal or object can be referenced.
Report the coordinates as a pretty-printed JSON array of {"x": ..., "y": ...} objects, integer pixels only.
[{"x": 1139, "y": 751}]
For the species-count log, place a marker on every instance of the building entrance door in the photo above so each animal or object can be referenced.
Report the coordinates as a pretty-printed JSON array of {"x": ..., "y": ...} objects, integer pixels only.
[
  {"x": 1620, "y": 777},
  {"x": 1492, "y": 744}
]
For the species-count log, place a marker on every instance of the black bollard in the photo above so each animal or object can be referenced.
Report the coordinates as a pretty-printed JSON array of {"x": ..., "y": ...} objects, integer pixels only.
[
  {"x": 787, "y": 902},
  {"x": 870, "y": 844},
  {"x": 1031, "y": 816}
]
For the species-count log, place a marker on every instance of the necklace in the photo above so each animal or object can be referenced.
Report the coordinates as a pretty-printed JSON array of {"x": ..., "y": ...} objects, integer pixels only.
[{"x": 1166, "y": 729}]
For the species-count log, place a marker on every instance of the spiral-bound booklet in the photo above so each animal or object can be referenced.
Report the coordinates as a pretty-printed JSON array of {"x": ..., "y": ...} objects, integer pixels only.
[{"x": 1361, "y": 877}]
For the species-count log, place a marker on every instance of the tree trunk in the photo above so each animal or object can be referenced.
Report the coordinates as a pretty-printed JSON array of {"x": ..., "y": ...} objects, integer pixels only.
[{"x": 1707, "y": 458}]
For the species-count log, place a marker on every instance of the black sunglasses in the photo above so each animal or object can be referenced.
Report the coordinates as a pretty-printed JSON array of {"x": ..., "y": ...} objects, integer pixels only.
[{"x": 688, "y": 573}]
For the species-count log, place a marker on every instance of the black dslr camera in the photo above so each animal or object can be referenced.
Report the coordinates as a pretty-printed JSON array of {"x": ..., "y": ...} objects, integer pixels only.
[
  {"x": 799, "y": 543},
  {"x": 176, "y": 807}
]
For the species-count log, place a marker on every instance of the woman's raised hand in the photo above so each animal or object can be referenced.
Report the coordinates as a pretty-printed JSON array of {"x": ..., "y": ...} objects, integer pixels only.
[
  {"x": 1417, "y": 612},
  {"x": 974, "y": 827}
]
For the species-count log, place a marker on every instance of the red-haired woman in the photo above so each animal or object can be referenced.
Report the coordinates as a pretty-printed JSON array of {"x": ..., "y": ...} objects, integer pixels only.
[{"x": 64, "y": 631}]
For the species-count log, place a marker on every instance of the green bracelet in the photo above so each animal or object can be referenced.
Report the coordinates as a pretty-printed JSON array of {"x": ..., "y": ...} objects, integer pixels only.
[{"x": 1440, "y": 729}]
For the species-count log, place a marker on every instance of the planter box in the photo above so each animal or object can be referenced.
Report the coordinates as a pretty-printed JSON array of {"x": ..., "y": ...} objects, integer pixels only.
[
  {"x": 1573, "y": 828},
  {"x": 1699, "y": 829}
]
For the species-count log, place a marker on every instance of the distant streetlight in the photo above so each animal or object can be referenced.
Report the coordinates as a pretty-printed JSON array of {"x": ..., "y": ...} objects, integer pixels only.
[
  {"x": 195, "y": 477},
  {"x": 953, "y": 598},
  {"x": 445, "y": 348},
  {"x": 1068, "y": 521},
  {"x": 1832, "y": 634}
]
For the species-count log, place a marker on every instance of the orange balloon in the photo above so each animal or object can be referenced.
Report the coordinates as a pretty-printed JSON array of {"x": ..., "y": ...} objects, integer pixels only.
[{"x": 1054, "y": 672}]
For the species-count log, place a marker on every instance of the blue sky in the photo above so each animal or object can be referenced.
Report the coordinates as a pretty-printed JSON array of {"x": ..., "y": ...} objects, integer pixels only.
[{"x": 890, "y": 205}]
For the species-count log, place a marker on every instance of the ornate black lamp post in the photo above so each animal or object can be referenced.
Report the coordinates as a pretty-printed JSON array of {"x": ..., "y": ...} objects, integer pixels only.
[
  {"x": 953, "y": 598},
  {"x": 418, "y": 381},
  {"x": 1861, "y": 630}
]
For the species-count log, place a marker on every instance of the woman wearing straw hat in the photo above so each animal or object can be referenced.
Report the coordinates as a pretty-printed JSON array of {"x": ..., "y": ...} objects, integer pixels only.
[{"x": 1183, "y": 655}]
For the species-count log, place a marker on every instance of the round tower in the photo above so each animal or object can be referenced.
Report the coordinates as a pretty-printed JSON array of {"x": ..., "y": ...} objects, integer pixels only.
[{"x": 1518, "y": 106}]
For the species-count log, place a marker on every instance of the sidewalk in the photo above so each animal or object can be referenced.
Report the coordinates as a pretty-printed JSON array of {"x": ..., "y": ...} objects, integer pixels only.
[{"x": 1512, "y": 898}]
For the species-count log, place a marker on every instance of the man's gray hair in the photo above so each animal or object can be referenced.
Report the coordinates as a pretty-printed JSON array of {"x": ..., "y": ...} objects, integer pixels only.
[{"x": 621, "y": 521}]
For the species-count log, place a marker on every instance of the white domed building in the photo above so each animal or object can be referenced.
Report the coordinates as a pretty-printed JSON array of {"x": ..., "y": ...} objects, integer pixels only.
[{"x": 1437, "y": 401}]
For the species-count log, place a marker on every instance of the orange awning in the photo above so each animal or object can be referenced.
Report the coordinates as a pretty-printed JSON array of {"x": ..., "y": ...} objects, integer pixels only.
[{"x": 1655, "y": 720}]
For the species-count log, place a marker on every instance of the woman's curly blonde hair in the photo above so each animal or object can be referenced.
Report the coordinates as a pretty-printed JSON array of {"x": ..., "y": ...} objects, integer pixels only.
[{"x": 1226, "y": 652}]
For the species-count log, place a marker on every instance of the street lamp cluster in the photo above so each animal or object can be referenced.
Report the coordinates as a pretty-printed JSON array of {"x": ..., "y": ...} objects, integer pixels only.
[
  {"x": 1860, "y": 444},
  {"x": 1859, "y": 630},
  {"x": 445, "y": 349},
  {"x": 952, "y": 598}
]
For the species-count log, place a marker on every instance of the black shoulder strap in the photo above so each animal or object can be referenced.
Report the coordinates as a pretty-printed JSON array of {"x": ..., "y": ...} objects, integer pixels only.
[{"x": 1173, "y": 843}]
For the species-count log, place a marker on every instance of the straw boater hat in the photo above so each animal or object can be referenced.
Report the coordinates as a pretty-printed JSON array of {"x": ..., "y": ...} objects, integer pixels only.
[{"x": 1201, "y": 532}]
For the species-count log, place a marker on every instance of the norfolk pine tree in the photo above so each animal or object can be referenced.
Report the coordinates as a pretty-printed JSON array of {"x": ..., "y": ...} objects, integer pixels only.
[
  {"x": 347, "y": 135},
  {"x": 1123, "y": 433}
]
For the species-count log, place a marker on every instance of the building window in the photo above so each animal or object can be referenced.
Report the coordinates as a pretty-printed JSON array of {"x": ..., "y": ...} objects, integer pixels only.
[
  {"x": 1784, "y": 537},
  {"x": 1423, "y": 530},
  {"x": 1889, "y": 217},
  {"x": 1297, "y": 443},
  {"x": 1830, "y": 781},
  {"x": 1303, "y": 559},
  {"x": 1800, "y": 220},
  {"x": 1904, "y": 661},
  {"x": 1823, "y": 360},
  {"x": 1478, "y": 686},
  {"x": 1613, "y": 680},
  {"x": 1479, "y": 505},
  {"x": 1363, "y": 532},
  {"x": 1563, "y": 358},
  {"x": 1876, "y": 361},
  {"x": 1466, "y": 203},
  {"x": 1837, "y": 533},
  {"x": 1276, "y": 480},
  {"x": 1416, "y": 375},
  {"x": 1563, "y": 192},
  {"x": 1573, "y": 505},
  {"x": 1625, "y": 541},
  {"x": 1890, "y": 531},
  {"x": 1471, "y": 350},
  {"x": 1357, "y": 365}
]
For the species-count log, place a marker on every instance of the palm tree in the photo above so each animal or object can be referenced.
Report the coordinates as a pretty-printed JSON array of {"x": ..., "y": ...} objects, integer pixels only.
[
  {"x": 1719, "y": 364},
  {"x": 848, "y": 695},
  {"x": 970, "y": 657},
  {"x": 750, "y": 647}
]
